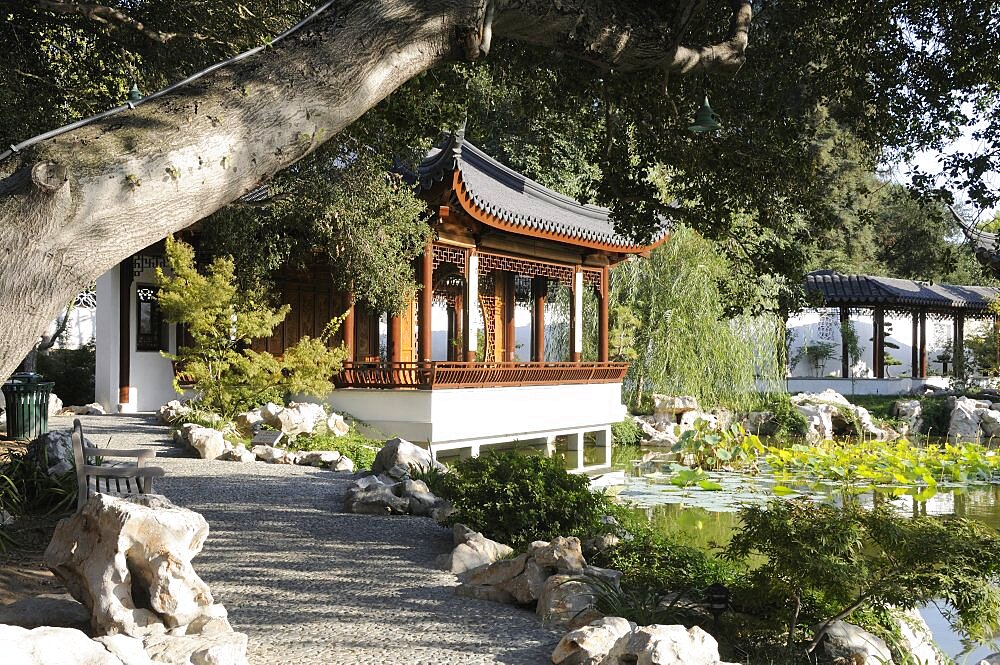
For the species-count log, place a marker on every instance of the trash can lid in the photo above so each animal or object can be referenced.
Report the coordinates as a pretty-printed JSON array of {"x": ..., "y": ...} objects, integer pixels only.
[{"x": 25, "y": 377}]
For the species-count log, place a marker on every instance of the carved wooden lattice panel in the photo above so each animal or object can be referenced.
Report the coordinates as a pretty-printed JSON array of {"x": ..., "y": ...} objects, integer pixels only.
[
  {"x": 451, "y": 255},
  {"x": 493, "y": 262},
  {"x": 593, "y": 278},
  {"x": 489, "y": 307}
]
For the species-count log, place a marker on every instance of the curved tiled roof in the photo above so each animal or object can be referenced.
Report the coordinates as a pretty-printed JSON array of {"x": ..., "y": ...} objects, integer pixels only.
[
  {"x": 871, "y": 291},
  {"x": 520, "y": 204}
]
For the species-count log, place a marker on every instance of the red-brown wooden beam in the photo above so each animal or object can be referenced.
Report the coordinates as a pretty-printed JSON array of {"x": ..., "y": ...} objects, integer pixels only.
[
  {"x": 125, "y": 278},
  {"x": 426, "y": 302},
  {"x": 349, "y": 323},
  {"x": 395, "y": 338},
  {"x": 603, "y": 319},
  {"x": 456, "y": 344},
  {"x": 539, "y": 290}
]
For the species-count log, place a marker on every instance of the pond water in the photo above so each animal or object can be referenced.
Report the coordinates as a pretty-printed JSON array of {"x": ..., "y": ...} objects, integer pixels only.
[{"x": 707, "y": 518}]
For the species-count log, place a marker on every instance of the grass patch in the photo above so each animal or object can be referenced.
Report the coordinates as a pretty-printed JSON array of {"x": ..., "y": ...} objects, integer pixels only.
[{"x": 359, "y": 448}]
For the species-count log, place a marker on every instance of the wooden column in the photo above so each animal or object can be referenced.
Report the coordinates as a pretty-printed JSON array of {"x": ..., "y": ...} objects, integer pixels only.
[
  {"x": 424, "y": 335},
  {"x": 923, "y": 345},
  {"x": 539, "y": 290},
  {"x": 576, "y": 318},
  {"x": 395, "y": 338},
  {"x": 470, "y": 335},
  {"x": 452, "y": 333},
  {"x": 958, "y": 346},
  {"x": 125, "y": 278},
  {"x": 845, "y": 359},
  {"x": 509, "y": 307},
  {"x": 603, "y": 319},
  {"x": 915, "y": 347},
  {"x": 456, "y": 345},
  {"x": 349, "y": 326},
  {"x": 878, "y": 343}
]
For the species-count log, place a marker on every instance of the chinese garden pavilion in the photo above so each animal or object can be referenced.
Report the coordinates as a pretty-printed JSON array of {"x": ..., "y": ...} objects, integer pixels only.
[
  {"x": 907, "y": 297},
  {"x": 500, "y": 239}
]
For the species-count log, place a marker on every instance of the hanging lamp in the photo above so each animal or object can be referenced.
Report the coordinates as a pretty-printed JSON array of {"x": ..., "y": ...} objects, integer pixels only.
[
  {"x": 706, "y": 120},
  {"x": 134, "y": 95}
]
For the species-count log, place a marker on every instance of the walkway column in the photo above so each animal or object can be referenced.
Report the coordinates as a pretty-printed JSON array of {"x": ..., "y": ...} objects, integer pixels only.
[
  {"x": 471, "y": 334},
  {"x": 395, "y": 338},
  {"x": 845, "y": 360},
  {"x": 426, "y": 302},
  {"x": 539, "y": 289},
  {"x": 878, "y": 343},
  {"x": 923, "y": 345},
  {"x": 349, "y": 327},
  {"x": 602, "y": 315},
  {"x": 958, "y": 347},
  {"x": 915, "y": 347},
  {"x": 576, "y": 318},
  {"x": 456, "y": 349}
]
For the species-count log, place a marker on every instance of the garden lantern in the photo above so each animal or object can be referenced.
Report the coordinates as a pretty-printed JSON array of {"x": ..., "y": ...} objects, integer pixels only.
[
  {"x": 706, "y": 120},
  {"x": 717, "y": 596},
  {"x": 134, "y": 95}
]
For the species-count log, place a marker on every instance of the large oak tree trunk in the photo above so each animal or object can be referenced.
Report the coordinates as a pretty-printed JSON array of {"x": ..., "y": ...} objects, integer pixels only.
[{"x": 74, "y": 206}]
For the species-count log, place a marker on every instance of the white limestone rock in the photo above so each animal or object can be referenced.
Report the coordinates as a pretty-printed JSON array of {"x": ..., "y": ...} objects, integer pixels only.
[
  {"x": 496, "y": 573},
  {"x": 761, "y": 423},
  {"x": 55, "y": 405},
  {"x": 129, "y": 650},
  {"x": 964, "y": 422},
  {"x": 667, "y": 645},
  {"x": 989, "y": 423},
  {"x": 52, "y": 646},
  {"x": 239, "y": 453},
  {"x": 917, "y": 639},
  {"x": 92, "y": 409},
  {"x": 57, "y": 610},
  {"x": 248, "y": 422},
  {"x": 207, "y": 442},
  {"x": 139, "y": 544},
  {"x": 172, "y": 411},
  {"x": 564, "y": 554},
  {"x": 689, "y": 420},
  {"x": 270, "y": 454},
  {"x": 269, "y": 412},
  {"x": 567, "y": 600},
  {"x": 319, "y": 458},
  {"x": 402, "y": 452},
  {"x": 672, "y": 404},
  {"x": 203, "y": 649},
  {"x": 992, "y": 659},
  {"x": 300, "y": 418},
  {"x": 845, "y": 640},
  {"x": 911, "y": 411},
  {"x": 344, "y": 464},
  {"x": 819, "y": 420},
  {"x": 591, "y": 644},
  {"x": 476, "y": 550},
  {"x": 527, "y": 587},
  {"x": 336, "y": 425}
]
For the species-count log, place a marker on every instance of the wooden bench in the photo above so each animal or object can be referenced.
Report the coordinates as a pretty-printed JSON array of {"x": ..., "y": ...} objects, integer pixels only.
[{"x": 117, "y": 478}]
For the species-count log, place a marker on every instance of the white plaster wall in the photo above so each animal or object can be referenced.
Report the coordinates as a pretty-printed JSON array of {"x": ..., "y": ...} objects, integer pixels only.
[
  {"x": 106, "y": 329},
  {"x": 483, "y": 415},
  {"x": 80, "y": 330},
  {"x": 151, "y": 375},
  {"x": 823, "y": 325},
  {"x": 439, "y": 329}
]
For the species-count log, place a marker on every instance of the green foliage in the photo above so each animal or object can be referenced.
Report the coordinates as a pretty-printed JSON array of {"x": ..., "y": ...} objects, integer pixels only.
[
  {"x": 370, "y": 225},
  {"x": 849, "y": 558},
  {"x": 685, "y": 345},
  {"x": 222, "y": 321},
  {"x": 360, "y": 449},
  {"x": 879, "y": 462},
  {"x": 789, "y": 422},
  {"x": 815, "y": 354},
  {"x": 516, "y": 499},
  {"x": 707, "y": 448},
  {"x": 26, "y": 488},
  {"x": 626, "y": 433},
  {"x": 72, "y": 370}
]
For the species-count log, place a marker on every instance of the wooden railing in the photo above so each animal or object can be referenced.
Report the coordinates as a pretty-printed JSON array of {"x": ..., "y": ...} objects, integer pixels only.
[{"x": 430, "y": 375}]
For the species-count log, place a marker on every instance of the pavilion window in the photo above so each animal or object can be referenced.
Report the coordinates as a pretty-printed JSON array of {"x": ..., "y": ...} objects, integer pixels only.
[{"x": 150, "y": 328}]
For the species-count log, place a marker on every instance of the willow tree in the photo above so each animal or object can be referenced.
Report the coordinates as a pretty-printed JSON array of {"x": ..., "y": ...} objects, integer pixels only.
[{"x": 73, "y": 206}]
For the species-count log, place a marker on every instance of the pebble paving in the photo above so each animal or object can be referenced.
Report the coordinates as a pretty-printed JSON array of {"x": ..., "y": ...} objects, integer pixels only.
[{"x": 310, "y": 583}]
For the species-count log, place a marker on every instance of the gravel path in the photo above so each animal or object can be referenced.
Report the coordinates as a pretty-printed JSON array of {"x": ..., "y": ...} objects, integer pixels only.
[{"x": 311, "y": 584}]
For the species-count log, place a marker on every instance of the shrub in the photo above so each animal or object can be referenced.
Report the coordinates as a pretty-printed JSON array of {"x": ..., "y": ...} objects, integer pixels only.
[
  {"x": 26, "y": 488},
  {"x": 359, "y": 448},
  {"x": 626, "y": 433},
  {"x": 790, "y": 423},
  {"x": 516, "y": 498},
  {"x": 72, "y": 370}
]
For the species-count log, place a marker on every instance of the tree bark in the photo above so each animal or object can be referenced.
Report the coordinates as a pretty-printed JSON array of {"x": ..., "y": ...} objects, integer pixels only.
[{"x": 73, "y": 206}]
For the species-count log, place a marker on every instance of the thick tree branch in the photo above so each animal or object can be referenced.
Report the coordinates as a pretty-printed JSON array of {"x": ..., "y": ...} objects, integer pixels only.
[{"x": 103, "y": 14}]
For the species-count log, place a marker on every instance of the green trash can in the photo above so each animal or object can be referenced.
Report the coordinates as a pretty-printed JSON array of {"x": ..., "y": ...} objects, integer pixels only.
[{"x": 27, "y": 398}]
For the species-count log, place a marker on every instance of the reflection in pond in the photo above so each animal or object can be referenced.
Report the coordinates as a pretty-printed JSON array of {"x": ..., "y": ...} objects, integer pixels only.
[{"x": 706, "y": 518}]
